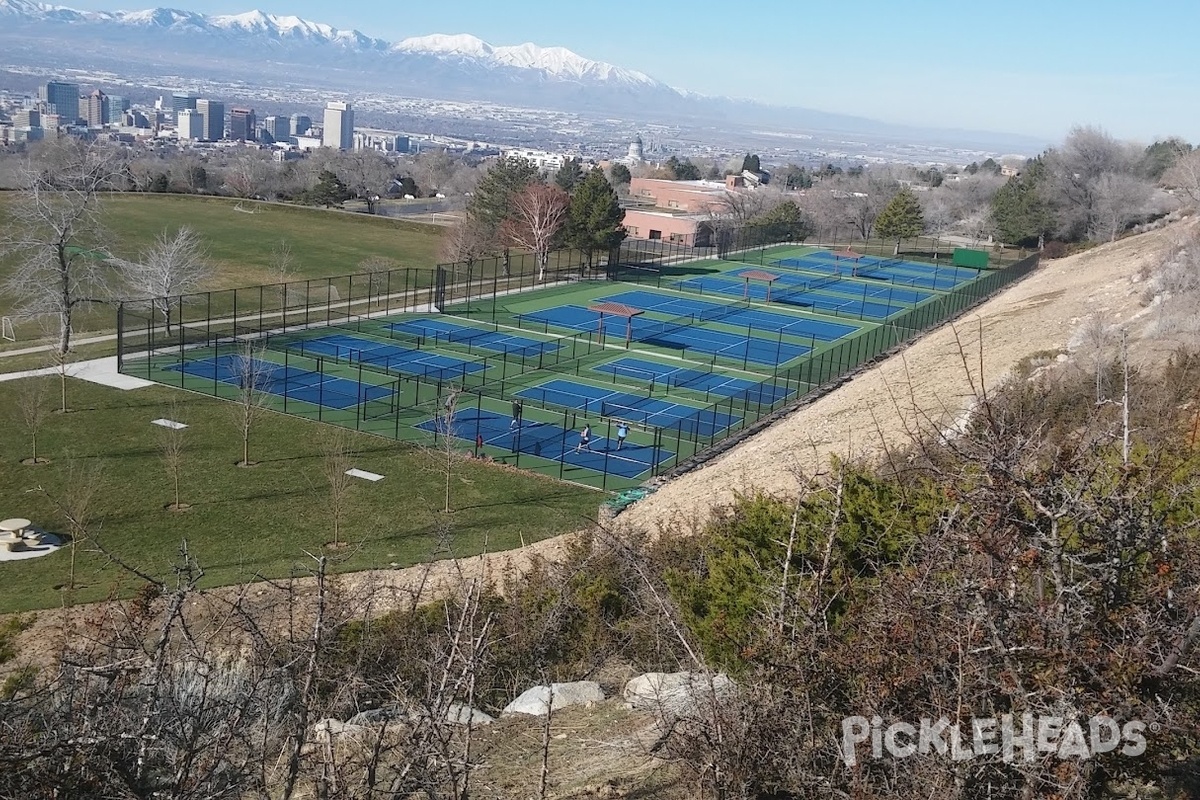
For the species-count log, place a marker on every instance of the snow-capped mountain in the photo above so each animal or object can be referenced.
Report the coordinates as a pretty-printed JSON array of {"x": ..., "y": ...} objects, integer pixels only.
[
  {"x": 557, "y": 61},
  {"x": 463, "y": 50}
]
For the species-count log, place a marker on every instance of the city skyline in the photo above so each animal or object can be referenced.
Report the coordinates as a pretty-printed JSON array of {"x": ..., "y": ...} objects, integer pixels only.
[{"x": 1026, "y": 68}]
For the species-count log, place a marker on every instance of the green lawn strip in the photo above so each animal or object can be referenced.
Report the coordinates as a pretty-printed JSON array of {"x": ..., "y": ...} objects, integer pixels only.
[
  {"x": 43, "y": 359},
  {"x": 246, "y": 523},
  {"x": 324, "y": 243}
]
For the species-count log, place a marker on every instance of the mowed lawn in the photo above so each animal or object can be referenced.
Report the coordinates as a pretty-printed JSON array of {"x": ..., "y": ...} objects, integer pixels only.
[
  {"x": 323, "y": 242},
  {"x": 247, "y": 523}
]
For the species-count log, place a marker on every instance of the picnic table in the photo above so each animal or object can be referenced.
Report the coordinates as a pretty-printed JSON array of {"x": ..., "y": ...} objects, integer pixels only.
[{"x": 15, "y": 527}]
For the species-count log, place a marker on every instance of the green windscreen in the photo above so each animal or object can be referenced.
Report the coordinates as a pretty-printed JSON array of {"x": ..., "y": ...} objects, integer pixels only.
[{"x": 966, "y": 257}]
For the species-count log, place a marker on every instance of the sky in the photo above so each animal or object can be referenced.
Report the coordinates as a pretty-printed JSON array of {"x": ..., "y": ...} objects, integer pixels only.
[{"x": 1035, "y": 67}]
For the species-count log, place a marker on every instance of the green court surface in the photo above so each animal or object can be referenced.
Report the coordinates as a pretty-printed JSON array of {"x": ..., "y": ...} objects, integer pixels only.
[{"x": 676, "y": 359}]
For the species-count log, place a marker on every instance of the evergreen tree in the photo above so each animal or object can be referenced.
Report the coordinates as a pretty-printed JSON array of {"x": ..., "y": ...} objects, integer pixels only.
[
  {"x": 594, "y": 220},
  {"x": 569, "y": 175},
  {"x": 491, "y": 202},
  {"x": 681, "y": 170},
  {"x": 1161, "y": 156},
  {"x": 784, "y": 223},
  {"x": 990, "y": 166},
  {"x": 620, "y": 175},
  {"x": 329, "y": 190},
  {"x": 751, "y": 163},
  {"x": 1021, "y": 215},
  {"x": 901, "y": 218},
  {"x": 794, "y": 177}
]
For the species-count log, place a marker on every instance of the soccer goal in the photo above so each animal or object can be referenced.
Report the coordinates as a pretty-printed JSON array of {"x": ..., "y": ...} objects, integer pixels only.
[{"x": 6, "y": 329}]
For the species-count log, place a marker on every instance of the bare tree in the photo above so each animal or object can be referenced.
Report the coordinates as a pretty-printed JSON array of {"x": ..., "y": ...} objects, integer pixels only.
[
  {"x": 739, "y": 208},
  {"x": 58, "y": 359},
  {"x": 1119, "y": 199},
  {"x": 1073, "y": 174},
  {"x": 253, "y": 375},
  {"x": 76, "y": 505},
  {"x": 937, "y": 213},
  {"x": 1094, "y": 340},
  {"x": 434, "y": 170},
  {"x": 367, "y": 174},
  {"x": 54, "y": 237},
  {"x": 335, "y": 463},
  {"x": 247, "y": 173},
  {"x": 1184, "y": 176},
  {"x": 445, "y": 449},
  {"x": 464, "y": 242},
  {"x": 171, "y": 446},
  {"x": 31, "y": 398},
  {"x": 188, "y": 173},
  {"x": 977, "y": 224},
  {"x": 172, "y": 266},
  {"x": 375, "y": 269},
  {"x": 143, "y": 172},
  {"x": 283, "y": 268},
  {"x": 538, "y": 213}
]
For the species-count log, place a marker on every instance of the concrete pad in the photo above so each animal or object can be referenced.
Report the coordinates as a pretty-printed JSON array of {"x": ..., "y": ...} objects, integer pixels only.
[
  {"x": 366, "y": 476},
  {"x": 104, "y": 372},
  {"x": 168, "y": 423},
  {"x": 49, "y": 543},
  {"x": 98, "y": 370}
]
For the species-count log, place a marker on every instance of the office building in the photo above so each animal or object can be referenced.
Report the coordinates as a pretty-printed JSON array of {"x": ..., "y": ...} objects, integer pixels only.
[
  {"x": 27, "y": 118},
  {"x": 242, "y": 124},
  {"x": 117, "y": 106},
  {"x": 189, "y": 124},
  {"x": 301, "y": 123},
  {"x": 97, "y": 108},
  {"x": 184, "y": 101},
  {"x": 61, "y": 98},
  {"x": 214, "y": 119},
  {"x": 338, "y": 132},
  {"x": 278, "y": 126}
]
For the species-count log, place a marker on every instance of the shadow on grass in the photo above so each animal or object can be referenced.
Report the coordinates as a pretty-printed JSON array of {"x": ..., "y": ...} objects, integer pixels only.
[
  {"x": 300, "y": 492},
  {"x": 539, "y": 499}
]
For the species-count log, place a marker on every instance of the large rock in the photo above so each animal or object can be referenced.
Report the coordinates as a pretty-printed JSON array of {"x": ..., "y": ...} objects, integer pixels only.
[
  {"x": 678, "y": 694},
  {"x": 540, "y": 700},
  {"x": 328, "y": 730},
  {"x": 456, "y": 714}
]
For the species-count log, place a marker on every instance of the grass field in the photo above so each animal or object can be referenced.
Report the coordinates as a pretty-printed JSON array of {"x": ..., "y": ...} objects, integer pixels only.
[
  {"x": 255, "y": 522},
  {"x": 323, "y": 242}
]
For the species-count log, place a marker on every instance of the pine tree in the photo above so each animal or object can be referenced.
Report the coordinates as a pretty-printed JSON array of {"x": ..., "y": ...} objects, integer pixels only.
[
  {"x": 751, "y": 163},
  {"x": 620, "y": 174},
  {"x": 328, "y": 191},
  {"x": 594, "y": 221},
  {"x": 491, "y": 202},
  {"x": 784, "y": 223},
  {"x": 569, "y": 175},
  {"x": 1019, "y": 211},
  {"x": 901, "y": 218}
]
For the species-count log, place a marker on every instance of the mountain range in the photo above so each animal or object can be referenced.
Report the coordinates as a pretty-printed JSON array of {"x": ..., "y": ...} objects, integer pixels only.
[{"x": 278, "y": 50}]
